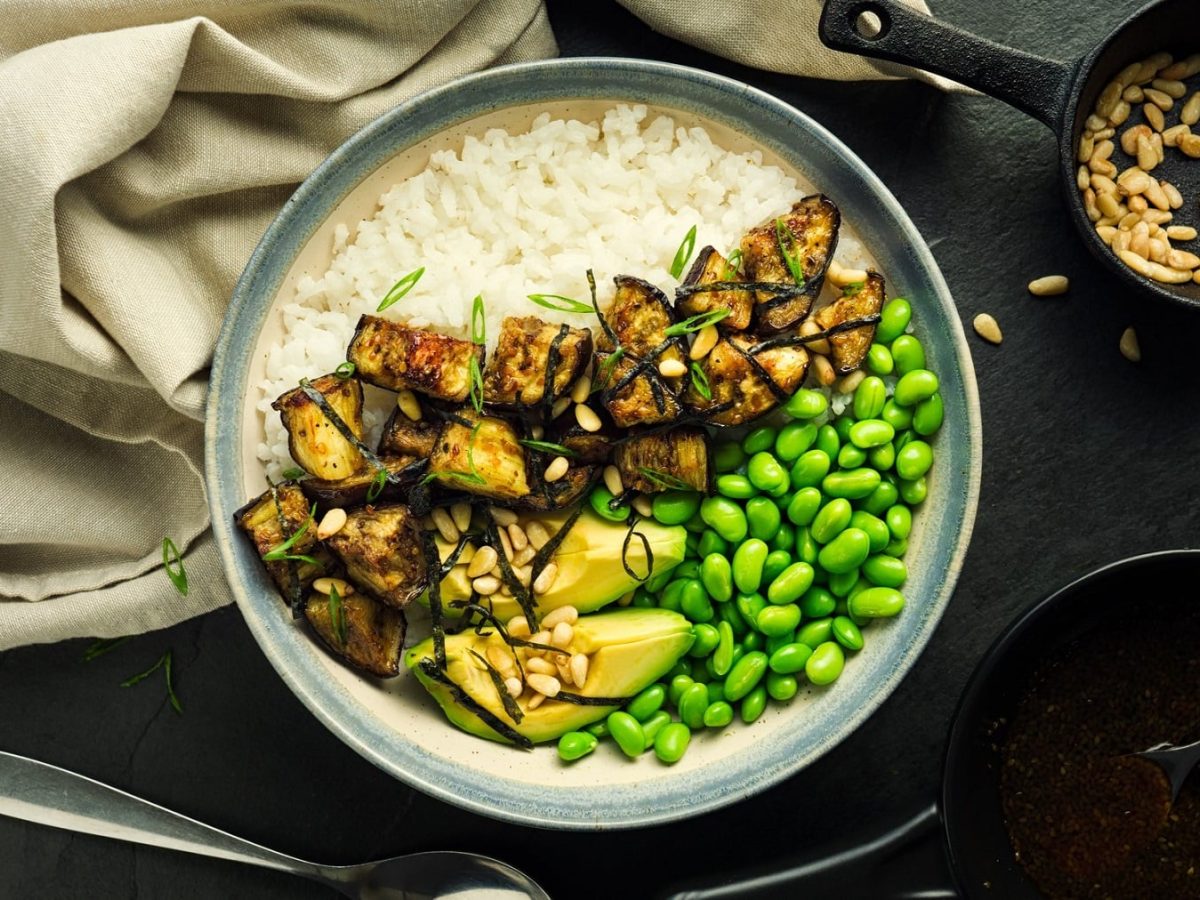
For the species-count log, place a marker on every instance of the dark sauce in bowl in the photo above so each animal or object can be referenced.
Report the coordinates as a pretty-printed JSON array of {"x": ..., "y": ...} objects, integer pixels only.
[{"x": 1085, "y": 819}]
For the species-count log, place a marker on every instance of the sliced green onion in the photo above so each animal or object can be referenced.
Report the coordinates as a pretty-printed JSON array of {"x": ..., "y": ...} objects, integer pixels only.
[
  {"x": 293, "y": 472},
  {"x": 549, "y": 447},
  {"x": 337, "y": 615},
  {"x": 142, "y": 676},
  {"x": 731, "y": 263},
  {"x": 178, "y": 576},
  {"x": 564, "y": 304},
  {"x": 478, "y": 325},
  {"x": 781, "y": 229},
  {"x": 606, "y": 367},
  {"x": 700, "y": 381},
  {"x": 665, "y": 479},
  {"x": 102, "y": 646},
  {"x": 280, "y": 551},
  {"x": 697, "y": 322},
  {"x": 853, "y": 288},
  {"x": 400, "y": 288},
  {"x": 476, "y": 384},
  {"x": 684, "y": 253},
  {"x": 473, "y": 476},
  {"x": 175, "y": 704},
  {"x": 345, "y": 370},
  {"x": 377, "y": 485}
]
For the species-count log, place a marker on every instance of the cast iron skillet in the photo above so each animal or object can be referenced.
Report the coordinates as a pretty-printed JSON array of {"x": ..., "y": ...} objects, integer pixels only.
[
  {"x": 1058, "y": 94},
  {"x": 972, "y": 856}
]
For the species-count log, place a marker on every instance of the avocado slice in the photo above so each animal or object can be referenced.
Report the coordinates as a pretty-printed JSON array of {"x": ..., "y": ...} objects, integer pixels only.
[
  {"x": 629, "y": 649},
  {"x": 590, "y": 573}
]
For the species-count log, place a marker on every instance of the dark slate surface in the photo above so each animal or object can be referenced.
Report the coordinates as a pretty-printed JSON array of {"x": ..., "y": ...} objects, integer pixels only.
[{"x": 1087, "y": 459}]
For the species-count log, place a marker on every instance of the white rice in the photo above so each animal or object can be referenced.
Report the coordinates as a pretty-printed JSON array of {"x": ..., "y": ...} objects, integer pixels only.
[{"x": 512, "y": 215}]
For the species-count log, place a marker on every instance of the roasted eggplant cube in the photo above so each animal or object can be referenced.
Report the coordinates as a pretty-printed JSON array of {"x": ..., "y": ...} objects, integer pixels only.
[
  {"x": 642, "y": 399},
  {"x": 404, "y": 473},
  {"x": 813, "y": 223},
  {"x": 673, "y": 460},
  {"x": 314, "y": 441},
  {"x": 527, "y": 349},
  {"x": 392, "y": 355},
  {"x": 381, "y": 549},
  {"x": 488, "y": 460},
  {"x": 748, "y": 385},
  {"x": 571, "y": 488},
  {"x": 589, "y": 447},
  {"x": 260, "y": 520},
  {"x": 849, "y": 348},
  {"x": 404, "y": 437},
  {"x": 639, "y": 317},
  {"x": 371, "y": 635},
  {"x": 711, "y": 267}
]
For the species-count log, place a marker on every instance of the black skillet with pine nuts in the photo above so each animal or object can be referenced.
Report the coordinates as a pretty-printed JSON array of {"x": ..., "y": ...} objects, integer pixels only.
[{"x": 636, "y": 529}]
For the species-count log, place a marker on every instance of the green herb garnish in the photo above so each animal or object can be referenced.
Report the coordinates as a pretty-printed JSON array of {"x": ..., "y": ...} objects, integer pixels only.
[
  {"x": 567, "y": 304},
  {"x": 781, "y": 229},
  {"x": 171, "y": 557},
  {"x": 473, "y": 476},
  {"x": 549, "y": 447},
  {"x": 400, "y": 288},
  {"x": 606, "y": 368},
  {"x": 102, "y": 646},
  {"x": 700, "y": 382},
  {"x": 665, "y": 479},
  {"x": 853, "y": 288},
  {"x": 337, "y": 615},
  {"x": 280, "y": 552},
  {"x": 684, "y": 253},
  {"x": 293, "y": 472},
  {"x": 476, "y": 384},
  {"x": 164, "y": 663},
  {"x": 345, "y": 370},
  {"x": 697, "y": 322},
  {"x": 377, "y": 485},
  {"x": 478, "y": 324},
  {"x": 731, "y": 264}
]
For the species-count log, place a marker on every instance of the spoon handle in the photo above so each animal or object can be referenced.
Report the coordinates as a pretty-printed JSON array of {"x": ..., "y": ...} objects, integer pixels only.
[{"x": 45, "y": 794}]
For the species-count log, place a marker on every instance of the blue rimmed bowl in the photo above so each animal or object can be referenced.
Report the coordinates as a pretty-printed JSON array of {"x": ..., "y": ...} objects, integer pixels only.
[{"x": 395, "y": 724}]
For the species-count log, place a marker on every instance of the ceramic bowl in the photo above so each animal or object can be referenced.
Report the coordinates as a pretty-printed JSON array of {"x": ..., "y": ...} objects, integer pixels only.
[{"x": 395, "y": 724}]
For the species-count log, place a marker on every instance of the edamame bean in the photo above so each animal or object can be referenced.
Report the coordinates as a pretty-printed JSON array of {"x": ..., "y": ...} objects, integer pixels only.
[
  {"x": 717, "y": 577},
  {"x": 881, "y": 498},
  {"x": 627, "y": 732},
  {"x": 785, "y": 538},
  {"x": 718, "y": 714},
  {"x": 781, "y": 687},
  {"x": 914, "y": 460},
  {"x": 893, "y": 320},
  {"x": 790, "y": 658},
  {"x": 841, "y": 583},
  {"x": 777, "y": 620},
  {"x": 846, "y": 633},
  {"x": 851, "y": 457},
  {"x": 690, "y": 544},
  {"x": 745, "y": 675},
  {"x": 777, "y": 561},
  {"x": 914, "y": 492},
  {"x": 806, "y": 404},
  {"x": 897, "y": 547},
  {"x": 691, "y": 706},
  {"x": 794, "y": 438},
  {"x": 752, "y": 641},
  {"x": 648, "y": 702},
  {"x": 678, "y": 685},
  {"x": 682, "y": 667},
  {"x": 832, "y": 519},
  {"x": 804, "y": 505},
  {"x": 879, "y": 360},
  {"x": 748, "y": 562},
  {"x": 790, "y": 584},
  {"x": 775, "y": 641},
  {"x": 575, "y": 745},
  {"x": 695, "y": 524},
  {"x": 845, "y": 552},
  {"x": 722, "y": 656},
  {"x": 675, "y": 507},
  {"x": 826, "y": 663},
  {"x": 600, "y": 498},
  {"x": 882, "y": 458},
  {"x": 716, "y": 691},
  {"x": 876, "y": 603},
  {"x": 658, "y": 581},
  {"x": 817, "y": 602},
  {"x": 728, "y": 457},
  {"x": 653, "y": 725},
  {"x": 917, "y": 385},
  {"x": 671, "y": 742},
  {"x": 762, "y": 517},
  {"x": 711, "y": 542},
  {"x": 816, "y": 632},
  {"x": 885, "y": 571},
  {"x": 806, "y": 547},
  {"x": 810, "y": 468},
  {"x": 828, "y": 441},
  {"x": 725, "y": 518},
  {"x": 749, "y": 605},
  {"x": 875, "y": 528},
  {"x": 871, "y": 433},
  {"x": 736, "y": 486},
  {"x": 896, "y": 415},
  {"x": 689, "y": 568},
  {"x": 842, "y": 426},
  {"x": 704, "y": 641},
  {"x": 758, "y": 440},
  {"x": 598, "y": 730},
  {"x": 908, "y": 354},
  {"x": 754, "y": 703},
  {"x": 642, "y": 599},
  {"x": 853, "y": 484},
  {"x": 694, "y": 602},
  {"x": 869, "y": 397},
  {"x": 766, "y": 473},
  {"x": 669, "y": 597},
  {"x": 928, "y": 415},
  {"x": 899, "y": 521}
]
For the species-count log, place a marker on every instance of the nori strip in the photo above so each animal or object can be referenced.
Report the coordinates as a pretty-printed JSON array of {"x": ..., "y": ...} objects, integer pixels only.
[
  {"x": 522, "y": 594},
  {"x": 790, "y": 340},
  {"x": 506, "y": 699},
  {"x": 542, "y": 557},
  {"x": 469, "y": 703},
  {"x": 633, "y": 521},
  {"x": 331, "y": 414},
  {"x": 452, "y": 560},
  {"x": 582, "y": 700},
  {"x": 433, "y": 569},
  {"x": 612, "y": 335}
]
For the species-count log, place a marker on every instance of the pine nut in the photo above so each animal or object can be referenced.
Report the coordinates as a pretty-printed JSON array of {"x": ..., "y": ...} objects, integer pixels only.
[
  {"x": 1129, "y": 220},
  {"x": 1103, "y": 185},
  {"x": 1181, "y": 233},
  {"x": 542, "y": 637},
  {"x": 1146, "y": 157},
  {"x": 706, "y": 339},
  {"x": 1110, "y": 220},
  {"x": 514, "y": 686},
  {"x": 460, "y": 514},
  {"x": 1102, "y": 167},
  {"x": 1129, "y": 138},
  {"x": 1129, "y": 345},
  {"x": 557, "y": 468},
  {"x": 1158, "y": 61},
  {"x": 840, "y": 276},
  {"x": 518, "y": 626},
  {"x": 1156, "y": 141},
  {"x": 579, "y": 669},
  {"x": 517, "y": 535},
  {"x": 1094, "y": 123},
  {"x": 486, "y": 585},
  {"x": 987, "y": 328},
  {"x": 537, "y": 534},
  {"x": 1196, "y": 277},
  {"x": 612, "y": 481},
  {"x": 1138, "y": 204},
  {"x": 545, "y": 579},
  {"x": 444, "y": 524},
  {"x": 1106, "y": 233},
  {"x": 482, "y": 562},
  {"x": 672, "y": 368},
  {"x": 521, "y": 557},
  {"x": 847, "y": 384},
  {"x": 564, "y": 671},
  {"x": 1129, "y": 74},
  {"x": 501, "y": 516},
  {"x": 505, "y": 544},
  {"x": 1154, "y": 116},
  {"x": 562, "y": 635},
  {"x": 1153, "y": 270},
  {"x": 1089, "y": 207},
  {"x": 540, "y": 666},
  {"x": 501, "y": 660},
  {"x": 1140, "y": 245},
  {"x": 1190, "y": 114},
  {"x": 535, "y": 701},
  {"x": 1190, "y": 145},
  {"x": 568, "y": 614},
  {"x": 331, "y": 523},
  {"x": 1185, "y": 68},
  {"x": 1109, "y": 98},
  {"x": 1082, "y": 179},
  {"x": 544, "y": 684},
  {"x": 1103, "y": 150},
  {"x": 587, "y": 418},
  {"x": 1158, "y": 99},
  {"x": 1172, "y": 135},
  {"x": 559, "y": 407},
  {"x": 644, "y": 507},
  {"x": 524, "y": 574},
  {"x": 1133, "y": 94},
  {"x": 808, "y": 327},
  {"x": 581, "y": 389},
  {"x": 1108, "y": 205},
  {"x": 1182, "y": 259},
  {"x": 1121, "y": 241},
  {"x": 1158, "y": 251},
  {"x": 1156, "y": 195},
  {"x": 824, "y": 368},
  {"x": 537, "y": 432},
  {"x": 1156, "y": 217},
  {"x": 1169, "y": 86},
  {"x": 408, "y": 403},
  {"x": 1133, "y": 181},
  {"x": 327, "y": 584},
  {"x": 1118, "y": 116}
]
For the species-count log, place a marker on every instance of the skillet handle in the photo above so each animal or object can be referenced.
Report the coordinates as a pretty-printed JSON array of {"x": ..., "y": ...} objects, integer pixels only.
[
  {"x": 1032, "y": 84},
  {"x": 905, "y": 863}
]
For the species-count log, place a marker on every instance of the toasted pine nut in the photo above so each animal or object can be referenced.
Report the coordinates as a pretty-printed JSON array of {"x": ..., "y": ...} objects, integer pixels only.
[
  {"x": 331, "y": 523},
  {"x": 1129, "y": 138},
  {"x": 1196, "y": 276},
  {"x": 1153, "y": 64},
  {"x": 518, "y": 626},
  {"x": 444, "y": 524},
  {"x": 486, "y": 585},
  {"x": 824, "y": 368},
  {"x": 501, "y": 516},
  {"x": 409, "y": 405},
  {"x": 1129, "y": 74},
  {"x": 587, "y": 418},
  {"x": 579, "y": 669},
  {"x": 1106, "y": 233},
  {"x": 612, "y": 481},
  {"x": 1103, "y": 185},
  {"x": 514, "y": 686},
  {"x": 643, "y": 505},
  {"x": 1154, "y": 270},
  {"x": 1121, "y": 241},
  {"x": 1173, "y": 196},
  {"x": 524, "y": 574},
  {"x": 1138, "y": 204},
  {"x": 1181, "y": 233},
  {"x": 517, "y": 535},
  {"x": 987, "y": 328},
  {"x": 1082, "y": 179},
  {"x": 808, "y": 328},
  {"x": 460, "y": 513},
  {"x": 1108, "y": 99},
  {"x": 1172, "y": 135},
  {"x": 1190, "y": 114},
  {"x": 847, "y": 384},
  {"x": 1118, "y": 116},
  {"x": 559, "y": 407},
  {"x": 1182, "y": 259},
  {"x": 568, "y": 614},
  {"x": 544, "y": 684},
  {"x": 535, "y": 701},
  {"x": 563, "y": 668},
  {"x": 1146, "y": 157},
  {"x": 540, "y": 666},
  {"x": 1133, "y": 181},
  {"x": 483, "y": 561},
  {"x": 1094, "y": 123},
  {"x": 1169, "y": 86},
  {"x": 1107, "y": 204},
  {"x": 537, "y": 432},
  {"x": 1185, "y": 68},
  {"x": 1156, "y": 195},
  {"x": 1133, "y": 94},
  {"x": 327, "y": 584},
  {"x": 672, "y": 368},
  {"x": 581, "y": 389},
  {"x": 505, "y": 544},
  {"x": 500, "y": 659},
  {"x": 1190, "y": 145},
  {"x": 1156, "y": 141},
  {"x": 557, "y": 468},
  {"x": 840, "y": 276},
  {"x": 1090, "y": 207},
  {"x": 545, "y": 579},
  {"x": 537, "y": 534},
  {"x": 1102, "y": 167},
  {"x": 706, "y": 339},
  {"x": 521, "y": 557},
  {"x": 1140, "y": 245},
  {"x": 542, "y": 637},
  {"x": 1159, "y": 99},
  {"x": 562, "y": 635},
  {"x": 1156, "y": 217},
  {"x": 1103, "y": 150},
  {"x": 1158, "y": 251},
  {"x": 1129, "y": 220},
  {"x": 1129, "y": 345},
  {"x": 1110, "y": 220}
]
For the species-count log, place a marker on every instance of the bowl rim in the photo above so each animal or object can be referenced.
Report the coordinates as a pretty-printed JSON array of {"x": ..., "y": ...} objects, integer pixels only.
[{"x": 350, "y": 724}]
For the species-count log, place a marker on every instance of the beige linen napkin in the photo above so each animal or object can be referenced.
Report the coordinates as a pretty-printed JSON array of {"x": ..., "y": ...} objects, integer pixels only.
[{"x": 144, "y": 148}]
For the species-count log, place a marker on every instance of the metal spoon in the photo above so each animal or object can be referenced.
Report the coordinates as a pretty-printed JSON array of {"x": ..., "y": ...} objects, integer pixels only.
[
  {"x": 1176, "y": 762},
  {"x": 45, "y": 794}
]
